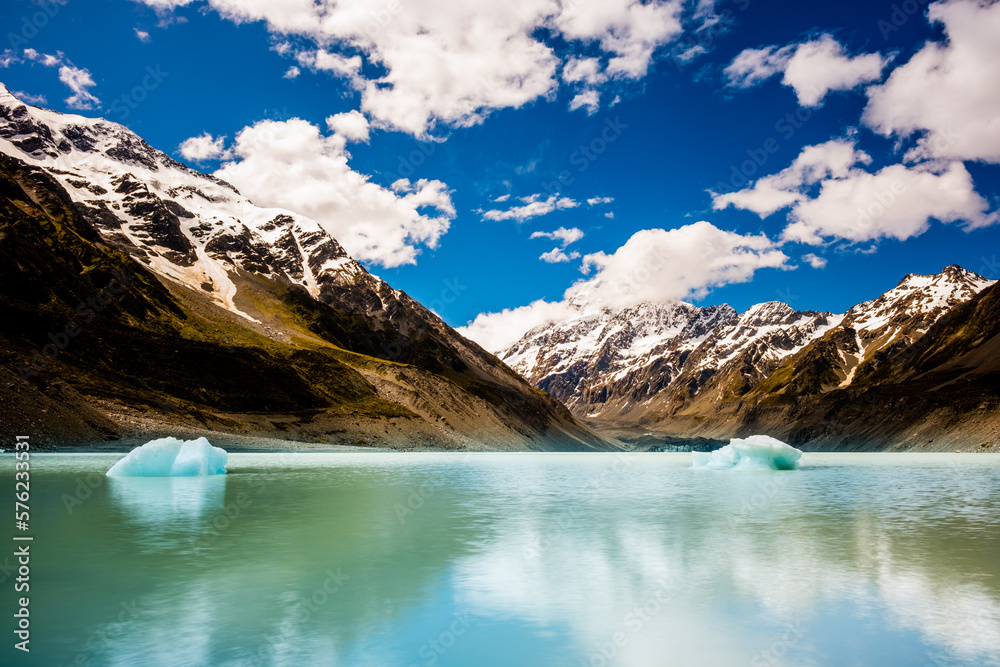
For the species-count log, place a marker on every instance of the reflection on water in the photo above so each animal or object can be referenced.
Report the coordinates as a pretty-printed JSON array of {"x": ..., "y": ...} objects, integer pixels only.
[
  {"x": 160, "y": 502},
  {"x": 592, "y": 559}
]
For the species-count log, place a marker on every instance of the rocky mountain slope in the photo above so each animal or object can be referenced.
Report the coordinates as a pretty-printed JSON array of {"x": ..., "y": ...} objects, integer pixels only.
[
  {"x": 942, "y": 391},
  {"x": 608, "y": 364},
  {"x": 137, "y": 291},
  {"x": 713, "y": 383},
  {"x": 593, "y": 358}
]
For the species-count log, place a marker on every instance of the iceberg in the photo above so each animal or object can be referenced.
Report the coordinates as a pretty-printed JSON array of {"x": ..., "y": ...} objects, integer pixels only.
[
  {"x": 170, "y": 457},
  {"x": 757, "y": 452}
]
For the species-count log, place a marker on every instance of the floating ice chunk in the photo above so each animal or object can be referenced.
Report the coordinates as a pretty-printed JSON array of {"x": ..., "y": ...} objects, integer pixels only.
[
  {"x": 758, "y": 452},
  {"x": 170, "y": 457}
]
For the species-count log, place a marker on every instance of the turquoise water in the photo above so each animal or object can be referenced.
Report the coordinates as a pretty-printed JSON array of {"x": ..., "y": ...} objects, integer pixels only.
[{"x": 513, "y": 559}]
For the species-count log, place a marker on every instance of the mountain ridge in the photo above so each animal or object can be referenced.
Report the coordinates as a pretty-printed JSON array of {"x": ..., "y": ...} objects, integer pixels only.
[{"x": 764, "y": 356}]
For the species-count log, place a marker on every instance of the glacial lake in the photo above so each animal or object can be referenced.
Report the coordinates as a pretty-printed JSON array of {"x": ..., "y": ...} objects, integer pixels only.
[{"x": 378, "y": 559}]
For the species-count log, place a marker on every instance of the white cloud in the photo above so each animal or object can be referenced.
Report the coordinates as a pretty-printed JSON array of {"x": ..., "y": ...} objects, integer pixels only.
[
  {"x": 596, "y": 201},
  {"x": 563, "y": 235},
  {"x": 352, "y": 126},
  {"x": 565, "y": 238},
  {"x": 45, "y": 59},
  {"x": 829, "y": 196},
  {"x": 290, "y": 164},
  {"x": 78, "y": 80},
  {"x": 814, "y": 261},
  {"x": 610, "y": 215},
  {"x": 589, "y": 99},
  {"x": 583, "y": 70},
  {"x": 292, "y": 72},
  {"x": 452, "y": 62},
  {"x": 812, "y": 69},
  {"x": 948, "y": 91},
  {"x": 203, "y": 148},
  {"x": 533, "y": 207},
  {"x": 557, "y": 255},
  {"x": 498, "y": 331},
  {"x": 8, "y": 58},
  {"x": 330, "y": 62},
  {"x": 654, "y": 265},
  {"x": 687, "y": 262},
  {"x": 28, "y": 98},
  {"x": 755, "y": 66},
  {"x": 628, "y": 31},
  {"x": 142, "y": 35},
  {"x": 895, "y": 202},
  {"x": 502, "y": 198},
  {"x": 772, "y": 193}
]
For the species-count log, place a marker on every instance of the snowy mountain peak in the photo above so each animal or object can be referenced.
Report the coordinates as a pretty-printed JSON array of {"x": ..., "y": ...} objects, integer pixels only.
[
  {"x": 654, "y": 358},
  {"x": 189, "y": 227},
  {"x": 917, "y": 298}
]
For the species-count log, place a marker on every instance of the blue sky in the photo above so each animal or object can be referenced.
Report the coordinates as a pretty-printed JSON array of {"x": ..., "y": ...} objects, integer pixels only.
[{"x": 670, "y": 124}]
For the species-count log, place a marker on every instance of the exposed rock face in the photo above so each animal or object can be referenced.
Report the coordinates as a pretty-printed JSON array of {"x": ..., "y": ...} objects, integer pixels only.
[
  {"x": 613, "y": 363},
  {"x": 592, "y": 358}
]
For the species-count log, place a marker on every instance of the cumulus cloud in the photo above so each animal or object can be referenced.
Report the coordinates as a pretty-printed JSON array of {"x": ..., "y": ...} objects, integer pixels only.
[
  {"x": 583, "y": 70},
  {"x": 563, "y": 235},
  {"x": 588, "y": 99},
  {"x": 498, "y": 331},
  {"x": 947, "y": 93},
  {"x": 628, "y": 31},
  {"x": 45, "y": 59},
  {"x": 654, "y": 265},
  {"x": 533, "y": 206},
  {"x": 292, "y": 72},
  {"x": 814, "y": 261},
  {"x": 772, "y": 193},
  {"x": 330, "y": 62},
  {"x": 812, "y": 69},
  {"x": 596, "y": 201},
  {"x": 895, "y": 202},
  {"x": 453, "y": 62},
  {"x": 78, "y": 80},
  {"x": 352, "y": 126},
  {"x": 565, "y": 238},
  {"x": 830, "y": 197},
  {"x": 558, "y": 255},
  {"x": 291, "y": 164},
  {"x": 204, "y": 147},
  {"x": 502, "y": 198},
  {"x": 142, "y": 35}
]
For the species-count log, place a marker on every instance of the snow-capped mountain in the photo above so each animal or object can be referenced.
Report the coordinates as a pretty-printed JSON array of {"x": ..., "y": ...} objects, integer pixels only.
[
  {"x": 614, "y": 360},
  {"x": 601, "y": 349},
  {"x": 190, "y": 227},
  {"x": 647, "y": 363},
  {"x": 902, "y": 315},
  {"x": 267, "y": 281}
]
